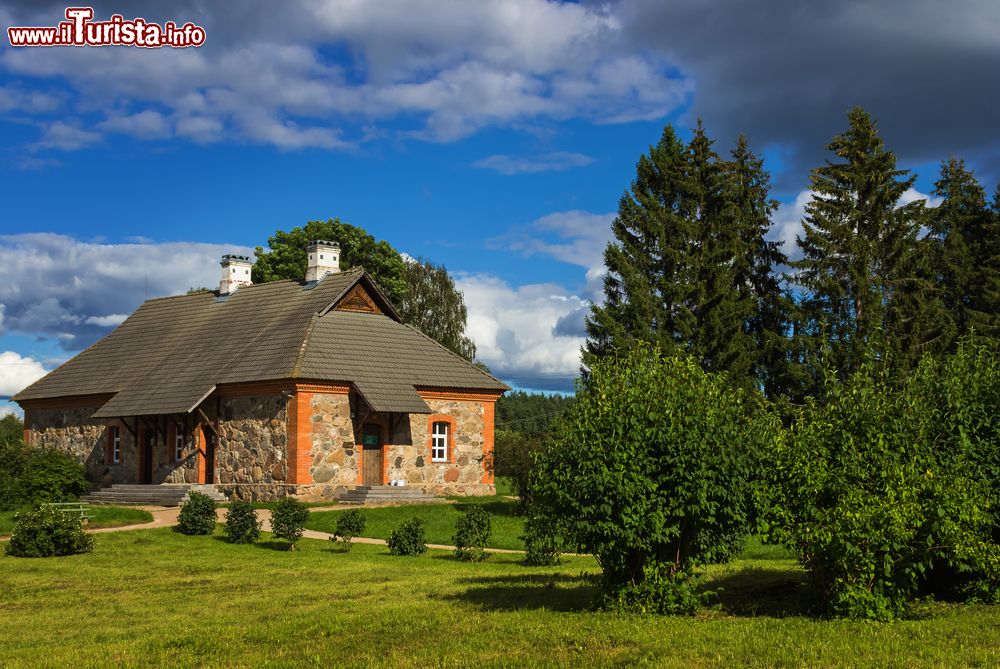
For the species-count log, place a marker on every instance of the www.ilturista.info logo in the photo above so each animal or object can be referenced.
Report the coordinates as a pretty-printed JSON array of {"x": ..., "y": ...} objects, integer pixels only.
[{"x": 80, "y": 30}]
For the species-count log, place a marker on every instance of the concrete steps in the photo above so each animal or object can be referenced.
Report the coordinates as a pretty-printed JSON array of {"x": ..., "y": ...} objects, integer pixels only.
[
  {"x": 386, "y": 494},
  {"x": 167, "y": 494}
]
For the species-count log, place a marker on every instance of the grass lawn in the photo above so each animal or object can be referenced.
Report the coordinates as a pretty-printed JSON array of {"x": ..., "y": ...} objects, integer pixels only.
[
  {"x": 158, "y": 598},
  {"x": 439, "y": 520},
  {"x": 104, "y": 516}
]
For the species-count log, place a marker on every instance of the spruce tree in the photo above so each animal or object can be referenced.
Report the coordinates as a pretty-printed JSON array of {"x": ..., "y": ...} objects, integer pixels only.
[{"x": 855, "y": 248}]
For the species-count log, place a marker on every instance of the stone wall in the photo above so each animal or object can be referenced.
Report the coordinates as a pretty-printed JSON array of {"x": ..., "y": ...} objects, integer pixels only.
[
  {"x": 335, "y": 462},
  {"x": 251, "y": 458},
  {"x": 73, "y": 431}
]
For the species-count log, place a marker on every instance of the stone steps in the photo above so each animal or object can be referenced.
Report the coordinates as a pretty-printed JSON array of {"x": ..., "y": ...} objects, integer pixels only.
[
  {"x": 385, "y": 494},
  {"x": 168, "y": 494}
]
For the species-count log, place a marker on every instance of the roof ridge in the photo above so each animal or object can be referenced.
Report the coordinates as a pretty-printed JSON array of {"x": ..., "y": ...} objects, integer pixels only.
[{"x": 216, "y": 292}]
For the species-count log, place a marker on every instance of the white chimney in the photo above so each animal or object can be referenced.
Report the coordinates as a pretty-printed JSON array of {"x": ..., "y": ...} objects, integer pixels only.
[
  {"x": 235, "y": 273},
  {"x": 322, "y": 258}
]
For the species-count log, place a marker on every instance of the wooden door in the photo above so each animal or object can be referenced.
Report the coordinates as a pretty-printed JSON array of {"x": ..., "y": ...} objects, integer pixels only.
[
  {"x": 371, "y": 459},
  {"x": 146, "y": 457}
]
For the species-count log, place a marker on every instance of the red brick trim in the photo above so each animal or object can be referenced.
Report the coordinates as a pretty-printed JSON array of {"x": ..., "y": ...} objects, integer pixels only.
[{"x": 488, "y": 436}]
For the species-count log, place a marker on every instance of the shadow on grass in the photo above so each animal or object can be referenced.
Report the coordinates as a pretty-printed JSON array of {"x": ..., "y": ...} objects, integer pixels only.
[
  {"x": 553, "y": 592},
  {"x": 495, "y": 507},
  {"x": 754, "y": 592}
]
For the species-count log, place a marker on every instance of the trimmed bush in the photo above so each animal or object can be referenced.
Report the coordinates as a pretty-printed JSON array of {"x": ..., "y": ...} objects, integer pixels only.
[
  {"x": 50, "y": 475},
  {"x": 408, "y": 538},
  {"x": 472, "y": 533},
  {"x": 242, "y": 525},
  {"x": 46, "y": 532},
  {"x": 197, "y": 515},
  {"x": 542, "y": 546},
  {"x": 350, "y": 524},
  {"x": 288, "y": 520}
]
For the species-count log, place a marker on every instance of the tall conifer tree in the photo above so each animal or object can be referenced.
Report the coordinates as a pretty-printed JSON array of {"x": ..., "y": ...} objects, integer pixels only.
[{"x": 855, "y": 247}]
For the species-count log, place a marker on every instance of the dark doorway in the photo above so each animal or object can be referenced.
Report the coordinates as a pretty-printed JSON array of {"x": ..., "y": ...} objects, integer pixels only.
[
  {"x": 371, "y": 443},
  {"x": 209, "y": 457},
  {"x": 146, "y": 457}
]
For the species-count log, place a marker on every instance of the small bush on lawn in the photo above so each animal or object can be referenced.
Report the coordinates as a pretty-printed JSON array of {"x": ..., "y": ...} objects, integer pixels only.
[
  {"x": 50, "y": 475},
  {"x": 472, "y": 533},
  {"x": 408, "y": 538},
  {"x": 46, "y": 532},
  {"x": 350, "y": 524},
  {"x": 659, "y": 592},
  {"x": 242, "y": 526},
  {"x": 288, "y": 520},
  {"x": 197, "y": 515},
  {"x": 542, "y": 546}
]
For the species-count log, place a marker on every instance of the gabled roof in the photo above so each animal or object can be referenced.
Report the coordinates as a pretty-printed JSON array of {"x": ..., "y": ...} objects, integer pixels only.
[{"x": 173, "y": 352}]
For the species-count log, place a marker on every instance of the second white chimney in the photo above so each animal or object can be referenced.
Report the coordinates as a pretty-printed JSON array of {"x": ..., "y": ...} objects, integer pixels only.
[
  {"x": 322, "y": 258},
  {"x": 235, "y": 273}
]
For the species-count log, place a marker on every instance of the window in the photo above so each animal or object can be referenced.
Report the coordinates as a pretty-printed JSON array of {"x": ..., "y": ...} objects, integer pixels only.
[
  {"x": 439, "y": 442},
  {"x": 179, "y": 438},
  {"x": 115, "y": 438}
]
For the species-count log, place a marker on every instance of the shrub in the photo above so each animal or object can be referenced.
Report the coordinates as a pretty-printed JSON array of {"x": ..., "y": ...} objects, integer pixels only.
[
  {"x": 408, "y": 538},
  {"x": 659, "y": 592},
  {"x": 50, "y": 475},
  {"x": 869, "y": 505},
  {"x": 45, "y": 532},
  {"x": 197, "y": 515},
  {"x": 350, "y": 524},
  {"x": 288, "y": 520},
  {"x": 542, "y": 546},
  {"x": 13, "y": 456},
  {"x": 514, "y": 457},
  {"x": 653, "y": 468},
  {"x": 472, "y": 533},
  {"x": 242, "y": 526}
]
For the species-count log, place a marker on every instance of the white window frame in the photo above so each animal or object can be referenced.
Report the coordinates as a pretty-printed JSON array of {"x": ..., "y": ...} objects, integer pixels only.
[
  {"x": 179, "y": 443},
  {"x": 439, "y": 441},
  {"x": 116, "y": 445}
]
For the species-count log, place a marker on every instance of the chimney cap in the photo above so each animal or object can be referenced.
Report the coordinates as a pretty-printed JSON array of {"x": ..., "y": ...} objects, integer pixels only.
[
  {"x": 320, "y": 242},
  {"x": 230, "y": 257}
]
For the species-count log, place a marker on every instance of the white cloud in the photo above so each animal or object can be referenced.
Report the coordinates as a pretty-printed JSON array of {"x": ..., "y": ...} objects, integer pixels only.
[
  {"x": 547, "y": 162},
  {"x": 445, "y": 69},
  {"x": 73, "y": 292},
  {"x": 17, "y": 373},
  {"x": 66, "y": 137},
  {"x": 13, "y": 98},
  {"x": 516, "y": 331}
]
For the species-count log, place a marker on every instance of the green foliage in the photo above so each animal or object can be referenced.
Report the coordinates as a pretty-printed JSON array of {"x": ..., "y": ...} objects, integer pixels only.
[
  {"x": 47, "y": 532},
  {"x": 541, "y": 544},
  {"x": 433, "y": 305},
  {"x": 350, "y": 524},
  {"x": 408, "y": 538},
  {"x": 529, "y": 413},
  {"x": 660, "y": 592},
  {"x": 654, "y": 467},
  {"x": 514, "y": 457},
  {"x": 242, "y": 525},
  {"x": 288, "y": 520},
  {"x": 197, "y": 515},
  {"x": 472, "y": 534},
  {"x": 872, "y": 494},
  {"x": 13, "y": 457},
  {"x": 50, "y": 475}
]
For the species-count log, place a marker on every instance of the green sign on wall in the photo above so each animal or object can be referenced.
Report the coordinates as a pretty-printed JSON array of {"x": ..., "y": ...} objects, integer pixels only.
[{"x": 369, "y": 440}]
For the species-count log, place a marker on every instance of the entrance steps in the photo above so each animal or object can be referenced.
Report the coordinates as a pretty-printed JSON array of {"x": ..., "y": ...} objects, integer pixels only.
[
  {"x": 386, "y": 494},
  {"x": 165, "y": 494}
]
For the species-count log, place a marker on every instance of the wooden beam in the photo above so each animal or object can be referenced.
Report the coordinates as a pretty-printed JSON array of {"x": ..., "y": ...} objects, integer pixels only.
[
  {"x": 135, "y": 437},
  {"x": 208, "y": 421}
]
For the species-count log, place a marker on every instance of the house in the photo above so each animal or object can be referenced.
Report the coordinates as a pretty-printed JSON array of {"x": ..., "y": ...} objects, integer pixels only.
[{"x": 306, "y": 387}]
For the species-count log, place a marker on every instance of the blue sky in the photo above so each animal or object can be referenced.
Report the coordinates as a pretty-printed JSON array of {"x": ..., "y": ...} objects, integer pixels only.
[{"x": 493, "y": 137}]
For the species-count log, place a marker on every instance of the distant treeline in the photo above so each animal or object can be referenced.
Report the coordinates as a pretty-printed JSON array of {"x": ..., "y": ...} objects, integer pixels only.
[{"x": 528, "y": 413}]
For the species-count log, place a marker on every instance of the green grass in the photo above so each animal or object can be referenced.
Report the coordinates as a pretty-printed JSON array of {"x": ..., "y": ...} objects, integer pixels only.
[
  {"x": 158, "y": 598},
  {"x": 103, "y": 516},
  {"x": 439, "y": 520}
]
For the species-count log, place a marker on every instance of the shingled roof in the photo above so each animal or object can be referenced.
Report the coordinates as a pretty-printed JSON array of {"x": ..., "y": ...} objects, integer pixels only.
[{"x": 173, "y": 352}]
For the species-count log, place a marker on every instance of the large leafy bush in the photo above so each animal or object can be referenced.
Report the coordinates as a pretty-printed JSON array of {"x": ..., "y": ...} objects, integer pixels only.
[
  {"x": 197, "y": 515},
  {"x": 653, "y": 471},
  {"x": 46, "y": 532},
  {"x": 50, "y": 475},
  {"x": 878, "y": 486}
]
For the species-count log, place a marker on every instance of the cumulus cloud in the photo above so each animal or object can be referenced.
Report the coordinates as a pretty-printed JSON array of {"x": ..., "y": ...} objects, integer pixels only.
[
  {"x": 17, "y": 373},
  {"x": 74, "y": 292},
  {"x": 66, "y": 137},
  {"x": 516, "y": 331},
  {"x": 266, "y": 73},
  {"x": 547, "y": 162}
]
